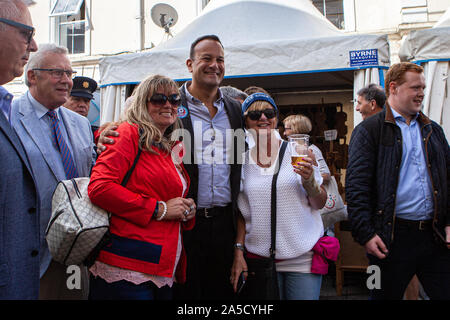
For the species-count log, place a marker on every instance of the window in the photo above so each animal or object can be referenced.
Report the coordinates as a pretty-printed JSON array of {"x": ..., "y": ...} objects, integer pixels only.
[
  {"x": 201, "y": 4},
  {"x": 333, "y": 10},
  {"x": 204, "y": 3},
  {"x": 70, "y": 24},
  {"x": 66, "y": 7},
  {"x": 414, "y": 11}
]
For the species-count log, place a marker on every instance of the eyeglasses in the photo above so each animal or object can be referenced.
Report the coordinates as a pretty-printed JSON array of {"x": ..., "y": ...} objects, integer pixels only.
[
  {"x": 57, "y": 73},
  {"x": 256, "y": 114},
  {"x": 161, "y": 99},
  {"x": 27, "y": 31}
]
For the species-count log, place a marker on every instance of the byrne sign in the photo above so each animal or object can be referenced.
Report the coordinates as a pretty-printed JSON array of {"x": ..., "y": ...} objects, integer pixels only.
[{"x": 362, "y": 58}]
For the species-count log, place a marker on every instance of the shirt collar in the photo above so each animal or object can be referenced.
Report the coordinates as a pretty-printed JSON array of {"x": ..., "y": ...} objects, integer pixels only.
[
  {"x": 398, "y": 116},
  {"x": 191, "y": 99},
  {"x": 4, "y": 94},
  {"x": 40, "y": 109}
]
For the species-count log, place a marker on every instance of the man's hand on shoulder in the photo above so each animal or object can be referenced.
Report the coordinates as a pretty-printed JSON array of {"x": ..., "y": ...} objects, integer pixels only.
[
  {"x": 376, "y": 247},
  {"x": 107, "y": 130}
]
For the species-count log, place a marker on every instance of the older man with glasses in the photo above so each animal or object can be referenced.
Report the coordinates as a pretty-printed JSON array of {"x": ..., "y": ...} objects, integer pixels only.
[
  {"x": 16, "y": 38},
  {"x": 59, "y": 145},
  {"x": 19, "y": 215}
]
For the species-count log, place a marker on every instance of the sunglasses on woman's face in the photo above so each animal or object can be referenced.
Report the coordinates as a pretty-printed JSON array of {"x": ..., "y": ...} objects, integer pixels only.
[
  {"x": 256, "y": 114},
  {"x": 161, "y": 99}
]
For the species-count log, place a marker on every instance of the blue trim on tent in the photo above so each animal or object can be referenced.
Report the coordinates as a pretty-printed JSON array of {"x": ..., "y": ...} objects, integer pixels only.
[
  {"x": 264, "y": 74},
  {"x": 118, "y": 84},
  {"x": 419, "y": 62}
]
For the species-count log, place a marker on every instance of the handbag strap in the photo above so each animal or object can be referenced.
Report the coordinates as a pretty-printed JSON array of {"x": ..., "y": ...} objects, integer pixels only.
[
  {"x": 273, "y": 207},
  {"x": 130, "y": 171}
]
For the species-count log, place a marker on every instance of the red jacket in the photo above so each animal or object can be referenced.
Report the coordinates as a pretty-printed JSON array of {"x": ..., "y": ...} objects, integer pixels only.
[{"x": 139, "y": 242}]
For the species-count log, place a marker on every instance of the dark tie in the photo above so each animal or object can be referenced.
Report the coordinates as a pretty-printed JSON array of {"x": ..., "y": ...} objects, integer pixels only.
[{"x": 69, "y": 166}]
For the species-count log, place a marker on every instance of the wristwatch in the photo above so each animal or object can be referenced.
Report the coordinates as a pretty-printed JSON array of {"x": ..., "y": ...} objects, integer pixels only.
[{"x": 239, "y": 246}]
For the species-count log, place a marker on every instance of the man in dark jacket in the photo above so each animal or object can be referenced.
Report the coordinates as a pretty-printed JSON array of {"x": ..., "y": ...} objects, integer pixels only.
[
  {"x": 397, "y": 190},
  {"x": 208, "y": 115},
  {"x": 370, "y": 100}
]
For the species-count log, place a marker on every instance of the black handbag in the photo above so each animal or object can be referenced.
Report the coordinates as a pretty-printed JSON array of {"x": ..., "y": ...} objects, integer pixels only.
[{"x": 262, "y": 279}]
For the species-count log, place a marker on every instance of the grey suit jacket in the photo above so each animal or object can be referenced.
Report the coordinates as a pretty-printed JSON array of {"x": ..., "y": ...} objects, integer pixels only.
[
  {"x": 38, "y": 147},
  {"x": 19, "y": 220}
]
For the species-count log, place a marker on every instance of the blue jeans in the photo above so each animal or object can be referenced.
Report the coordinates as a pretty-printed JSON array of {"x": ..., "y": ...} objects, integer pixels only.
[
  {"x": 99, "y": 289},
  {"x": 299, "y": 286}
]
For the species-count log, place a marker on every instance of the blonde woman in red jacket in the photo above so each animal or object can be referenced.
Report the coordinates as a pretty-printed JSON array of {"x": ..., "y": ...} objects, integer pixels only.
[{"x": 146, "y": 253}]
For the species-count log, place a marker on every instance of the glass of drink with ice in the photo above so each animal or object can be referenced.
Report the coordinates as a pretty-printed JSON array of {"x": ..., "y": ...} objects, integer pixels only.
[{"x": 298, "y": 144}]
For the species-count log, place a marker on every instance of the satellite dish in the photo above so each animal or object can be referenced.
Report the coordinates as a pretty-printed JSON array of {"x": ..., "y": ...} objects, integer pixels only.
[{"x": 164, "y": 16}]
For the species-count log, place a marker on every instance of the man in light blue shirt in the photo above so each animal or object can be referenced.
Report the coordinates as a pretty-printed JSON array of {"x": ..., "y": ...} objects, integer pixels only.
[
  {"x": 397, "y": 190},
  {"x": 210, "y": 152},
  {"x": 59, "y": 145},
  {"x": 414, "y": 195},
  {"x": 210, "y": 117}
]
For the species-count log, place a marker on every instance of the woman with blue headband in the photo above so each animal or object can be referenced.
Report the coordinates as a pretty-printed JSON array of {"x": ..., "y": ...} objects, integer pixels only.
[{"x": 299, "y": 196}]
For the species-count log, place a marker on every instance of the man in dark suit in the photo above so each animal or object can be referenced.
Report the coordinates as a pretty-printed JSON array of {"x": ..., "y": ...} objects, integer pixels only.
[
  {"x": 208, "y": 116},
  {"x": 19, "y": 216}
]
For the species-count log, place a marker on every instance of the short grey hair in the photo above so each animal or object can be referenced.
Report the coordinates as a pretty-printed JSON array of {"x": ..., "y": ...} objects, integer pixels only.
[
  {"x": 233, "y": 92},
  {"x": 36, "y": 58},
  {"x": 373, "y": 92},
  {"x": 10, "y": 9}
]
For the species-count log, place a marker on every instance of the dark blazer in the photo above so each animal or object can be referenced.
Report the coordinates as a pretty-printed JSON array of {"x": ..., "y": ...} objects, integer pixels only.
[
  {"x": 19, "y": 220},
  {"x": 233, "y": 110},
  {"x": 375, "y": 154}
]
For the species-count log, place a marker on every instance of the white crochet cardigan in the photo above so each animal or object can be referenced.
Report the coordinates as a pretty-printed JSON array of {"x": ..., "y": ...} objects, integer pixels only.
[{"x": 298, "y": 225}]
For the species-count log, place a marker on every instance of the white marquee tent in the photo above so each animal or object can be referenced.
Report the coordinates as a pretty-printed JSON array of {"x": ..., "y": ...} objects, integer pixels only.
[
  {"x": 431, "y": 49},
  {"x": 276, "y": 44}
]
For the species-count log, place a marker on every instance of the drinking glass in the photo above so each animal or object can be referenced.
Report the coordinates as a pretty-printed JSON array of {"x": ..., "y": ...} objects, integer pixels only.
[{"x": 298, "y": 144}]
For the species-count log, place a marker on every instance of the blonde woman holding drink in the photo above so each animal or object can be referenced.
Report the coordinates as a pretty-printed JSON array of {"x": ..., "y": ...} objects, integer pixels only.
[{"x": 299, "y": 196}]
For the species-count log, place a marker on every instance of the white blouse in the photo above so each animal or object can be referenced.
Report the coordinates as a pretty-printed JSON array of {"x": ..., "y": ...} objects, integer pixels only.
[{"x": 299, "y": 226}]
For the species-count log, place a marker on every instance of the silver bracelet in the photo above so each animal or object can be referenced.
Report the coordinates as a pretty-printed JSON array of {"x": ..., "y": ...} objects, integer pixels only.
[{"x": 164, "y": 212}]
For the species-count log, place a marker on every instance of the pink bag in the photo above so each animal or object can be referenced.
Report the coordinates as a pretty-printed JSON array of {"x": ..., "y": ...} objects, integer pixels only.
[{"x": 327, "y": 248}]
